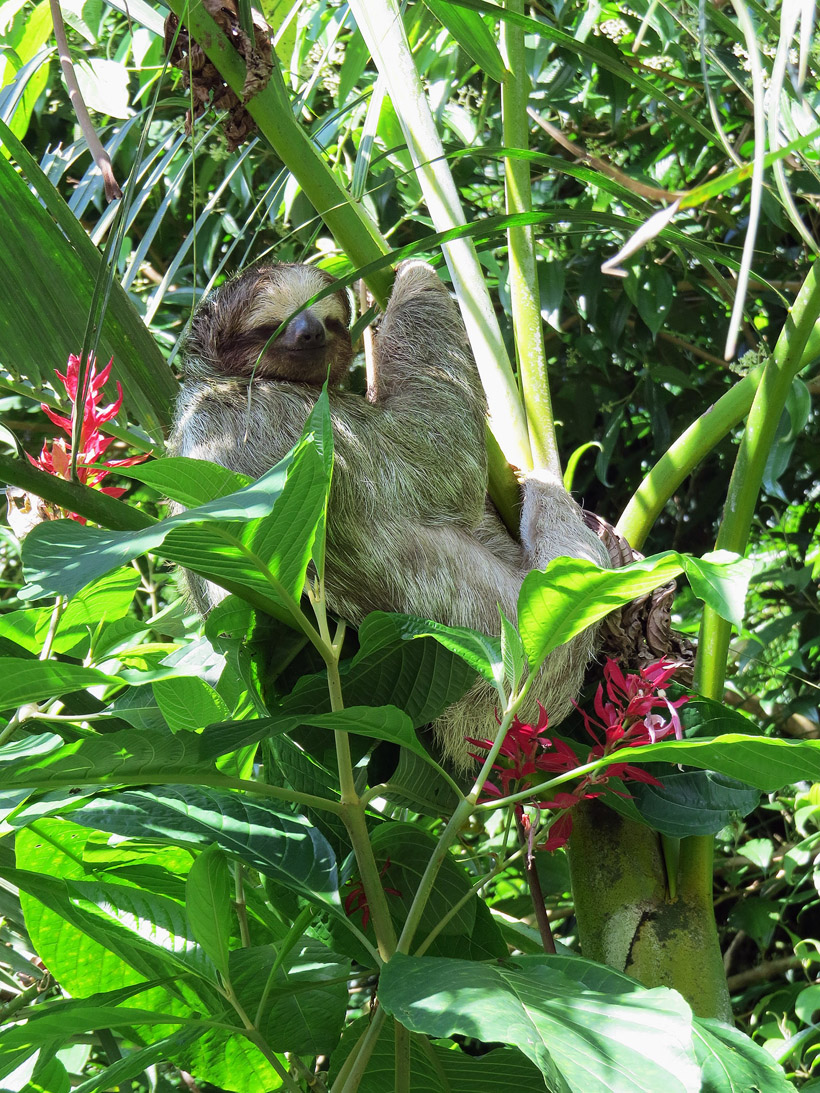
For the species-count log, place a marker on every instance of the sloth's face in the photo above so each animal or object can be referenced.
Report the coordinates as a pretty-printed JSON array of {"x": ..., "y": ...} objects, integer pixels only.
[{"x": 233, "y": 332}]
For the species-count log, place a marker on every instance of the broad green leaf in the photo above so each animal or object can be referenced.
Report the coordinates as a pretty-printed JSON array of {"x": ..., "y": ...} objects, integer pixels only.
[
  {"x": 589, "y": 1041},
  {"x": 61, "y": 1026},
  {"x": 264, "y": 559},
  {"x": 482, "y": 653},
  {"x": 278, "y": 844},
  {"x": 85, "y": 953},
  {"x": 190, "y": 482},
  {"x": 690, "y": 802},
  {"x": 408, "y": 850},
  {"x": 303, "y": 1001},
  {"x": 726, "y": 596},
  {"x": 145, "y": 930},
  {"x": 320, "y": 425},
  {"x": 62, "y": 556},
  {"x": 767, "y": 764},
  {"x": 733, "y": 1063},
  {"x": 420, "y": 676},
  {"x": 124, "y": 757},
  {"x": 472, "y": 34},
  {"x": 437, "y": 1068},
  {"x": 24, "y": 681},
  {"x": 512, "y": 652},
  {"x": 53, "y": 258},
  {"x": 188, "y": 703},
  {"x": 104, "y": 601},
  {"x": 208, "y": 904},
  {"x": 231, "y": 1061},
  {"x": 556, "y": 604}
]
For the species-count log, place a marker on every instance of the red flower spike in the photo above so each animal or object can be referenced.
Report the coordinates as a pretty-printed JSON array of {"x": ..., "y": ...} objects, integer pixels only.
[
  {"x": 93, "y": 445},
  {"x": 627, "y": 716}
]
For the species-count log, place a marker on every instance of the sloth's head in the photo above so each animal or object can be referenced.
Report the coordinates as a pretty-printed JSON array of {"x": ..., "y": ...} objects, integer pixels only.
[{"x": 231, "y": 333}]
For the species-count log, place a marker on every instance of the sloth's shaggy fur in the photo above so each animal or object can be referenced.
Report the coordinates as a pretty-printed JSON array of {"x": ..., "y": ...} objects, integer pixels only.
[{"x": 410, "y": 528}]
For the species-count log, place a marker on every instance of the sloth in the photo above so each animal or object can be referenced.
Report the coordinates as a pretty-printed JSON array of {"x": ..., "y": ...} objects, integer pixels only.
[{"x": 410, "y": 528}]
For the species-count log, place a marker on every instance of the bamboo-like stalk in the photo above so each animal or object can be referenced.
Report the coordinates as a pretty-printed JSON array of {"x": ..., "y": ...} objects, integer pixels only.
[
  {"x": 681, "y": 458},
  {"x": 744, "y": 486},
  {"x": 381, "y": 25},
  {"x": 272, "y": 111},
  {"x": 106, "y": 511},
  {"x": 524, "y": 292}
]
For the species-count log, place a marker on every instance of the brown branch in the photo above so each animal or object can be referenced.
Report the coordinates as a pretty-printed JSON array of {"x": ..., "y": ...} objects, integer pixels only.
[
  {"x": 101, "y": 157},
  {"x": 537, "y": 896},
  {"x": 770, "y": 970}
]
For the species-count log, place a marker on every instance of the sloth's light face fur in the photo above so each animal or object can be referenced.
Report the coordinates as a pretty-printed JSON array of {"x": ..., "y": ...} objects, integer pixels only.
[{"x": 232, "y": 332}]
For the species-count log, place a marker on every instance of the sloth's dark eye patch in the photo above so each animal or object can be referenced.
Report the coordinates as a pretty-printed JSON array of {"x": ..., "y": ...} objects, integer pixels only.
[
  {"x": 266, "y": 332},
  {"x": 336, "y": 326}
]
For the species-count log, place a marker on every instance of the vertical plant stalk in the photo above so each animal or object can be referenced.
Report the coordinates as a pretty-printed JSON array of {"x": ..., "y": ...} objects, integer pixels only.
[
  {"x": 524, "y": 291},
  {"x": 98, "y": 153},
  {"x": 536, "y": 895},
  {"x": 678, "y": 462},
  {"x": 788, "y": 357},
  {"x": 744, "y": 486},
  {"x": 381, "y": 25},
  {"x": 272, "y": 111}
]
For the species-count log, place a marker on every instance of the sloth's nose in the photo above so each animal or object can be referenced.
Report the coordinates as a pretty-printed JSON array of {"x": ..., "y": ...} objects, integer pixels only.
[{"x": 306, "y": 332}]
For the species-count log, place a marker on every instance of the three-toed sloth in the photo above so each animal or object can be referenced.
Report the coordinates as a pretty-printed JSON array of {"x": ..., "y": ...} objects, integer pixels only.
[{"x": 410, "y": 528}]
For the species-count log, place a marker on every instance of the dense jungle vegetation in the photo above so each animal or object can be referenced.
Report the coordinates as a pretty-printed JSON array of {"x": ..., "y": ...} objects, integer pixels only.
[{"x": 229, "y": 858}]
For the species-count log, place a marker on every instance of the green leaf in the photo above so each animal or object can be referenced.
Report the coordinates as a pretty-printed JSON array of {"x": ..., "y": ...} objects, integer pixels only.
[
  {"x": 278, "y": 844},
  {"x": 690, "y": 802},
  {"x": 512, "y": 652},
  {"x": 106, "y": 600},
  {"x": 208, "y": 904},
  {"x": 437, "y": 1068},
  {"x": 571, "y": 594},
  {"x": 472, "y": 34},
  {"x": 62, "y": 556},
  {"x": 724, "y": 591},
  {"x": 303, "y": 1001},
  {"x": 190, "y": 482},
  {"x": 188, "y": 703},
  {"x": 136, "y": 1062},
  {"x": 53, "y": 258},
  {"x": 590, "y": 1041},
  {"x": 732, "y": 1063},
  {"x": 24, "y": 681},
  {"x": 767, "y": 764},
  {"x": 481, "y": 652},
  {"x": 418, "y": 676}
]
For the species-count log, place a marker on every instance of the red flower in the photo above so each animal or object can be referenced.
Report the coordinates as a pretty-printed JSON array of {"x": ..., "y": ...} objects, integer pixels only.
[
  {"x": 56, "y": 460},
  {"x": 627, "y": 718}
]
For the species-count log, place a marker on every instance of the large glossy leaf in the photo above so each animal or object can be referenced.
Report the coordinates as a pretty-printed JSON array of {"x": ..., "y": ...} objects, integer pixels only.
[
  {"x": 52, "y": 258},
  {"x": 583, "y": 1040},
  {"x": 303, "y": 1002},
  {"x": 266, "y": 558},
  {"x": 571, "y": 594},
  {"x": 437, "y": 1068},
  {"x": 690, "y": 802},
  {"x": 732, "y": 1063},
  {"x": 208, "y": 904},
  {"x": 278, "y": 844},
  {"x": 36, "y": 680},
  {"x": 767, "y": 764},
  {"x": 418, "y": 676}
]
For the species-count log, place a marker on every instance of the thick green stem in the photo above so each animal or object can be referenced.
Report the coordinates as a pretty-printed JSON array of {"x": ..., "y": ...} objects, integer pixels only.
[
  {"x": 676, "y": 464},
  {"x": 786, "y": 361},
  {"x": 106, "y": 511},
  {"x": 524, "y": 292},
  {"x": 272, "y": 111},
  {"x": 381, "y": 25}
]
